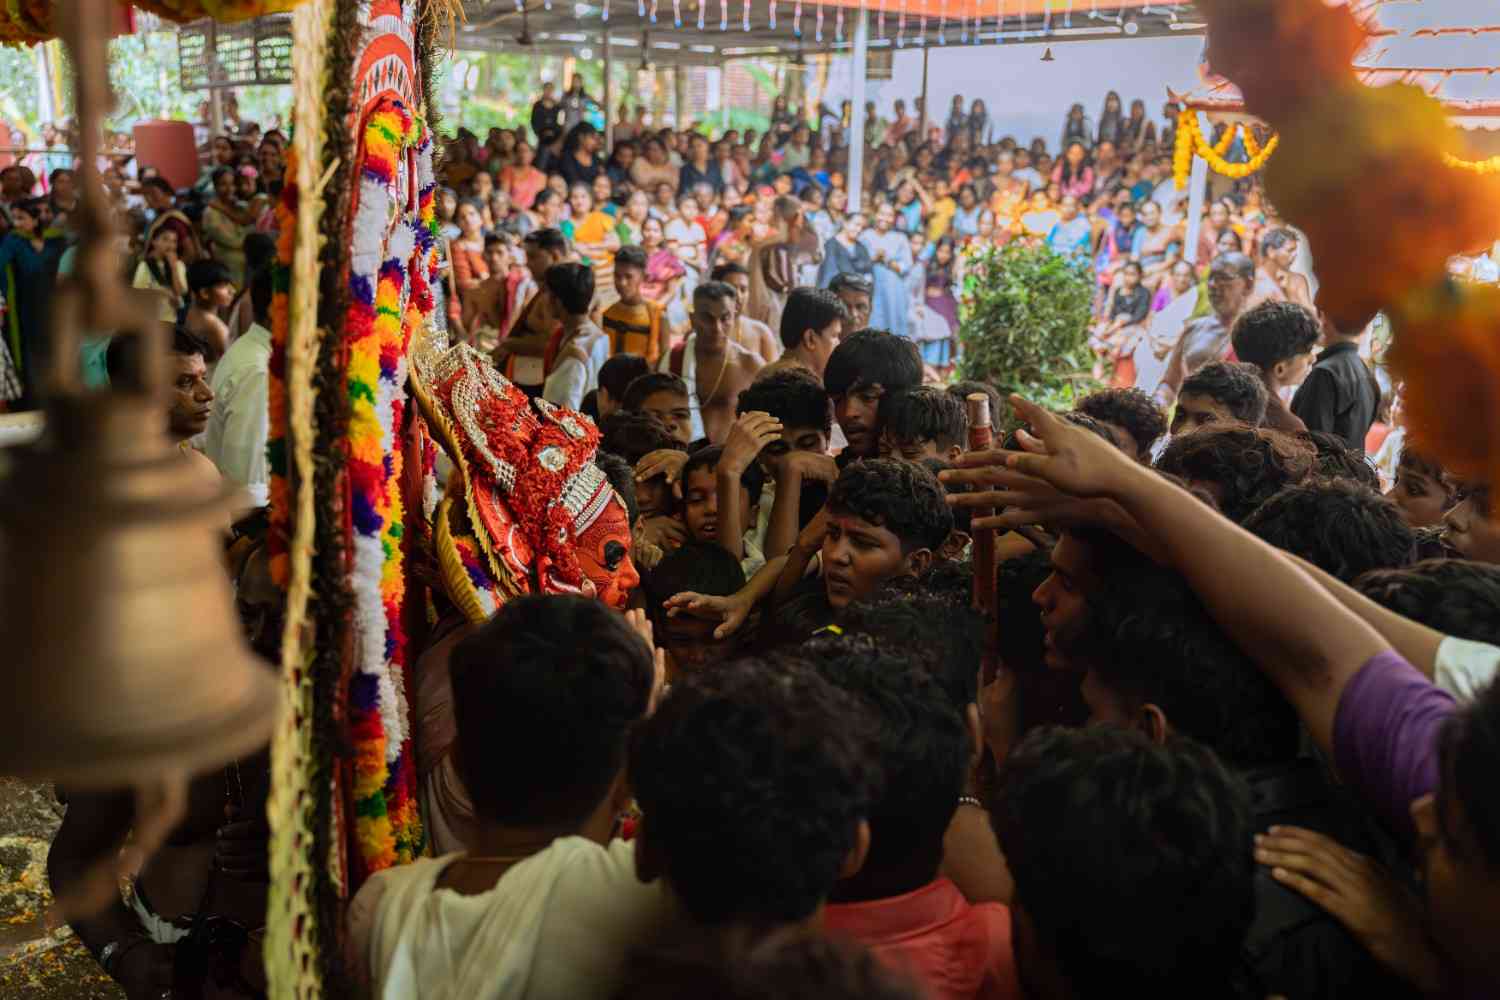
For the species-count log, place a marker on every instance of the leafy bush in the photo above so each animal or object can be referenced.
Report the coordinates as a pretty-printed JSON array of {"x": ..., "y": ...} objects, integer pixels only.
[{"x": 1024, "y": 324}]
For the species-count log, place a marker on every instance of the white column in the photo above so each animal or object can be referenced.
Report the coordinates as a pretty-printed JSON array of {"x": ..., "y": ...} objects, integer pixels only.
[
  {"x": 857, "y": 117},
  {"x": 723, "y": 97},
  {"x": 609, "y": 97},
  {"x": 1197, "y": 194}
]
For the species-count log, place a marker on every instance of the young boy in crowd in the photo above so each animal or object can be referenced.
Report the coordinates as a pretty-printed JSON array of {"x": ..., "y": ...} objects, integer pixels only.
[
  {"x": 1343, "y": 528},
  {"x": 633, "y": 436},
  {"x": 1423, "y": 489},
  {"x": 615, "y": 376},
  {"x": 783, "y": 424},
  {"x": 860, "y": 372},
  {"x": 1278, "y": 339},
  {"x": 1340, "y": 394},
  {"x": 717, "y": 506},
  {"x": 210, "y": 290},
  {"x": 884, "y": 519},
  {"x": 898, "y": 904},
  {"x": 812, "y": 324},
  {"x": 689, "y": 643},
  {"x": 1131, "y": 416},
  {"x": 515, "y": 681},
  {"x": 923, "y": 422},
  {"x": 1220, "y": 392},
  {"x": 751, "y": 334},
  {"x": 755, "y": 782},
  {"x": 1154, "y": 837},
  {"x": 665, "y": 397},
  {"x": 1469, "y": 528},
  {"x": 1240, "y": 467},
  {"x": 633, "y": 323}
]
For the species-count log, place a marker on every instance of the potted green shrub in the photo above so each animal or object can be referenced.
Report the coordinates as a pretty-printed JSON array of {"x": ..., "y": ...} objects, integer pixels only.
[{"x": 1024, "y": 324}]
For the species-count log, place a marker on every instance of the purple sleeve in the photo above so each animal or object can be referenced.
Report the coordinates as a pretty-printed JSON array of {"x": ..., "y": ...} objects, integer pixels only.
[{"x": 1385, "y": 736}]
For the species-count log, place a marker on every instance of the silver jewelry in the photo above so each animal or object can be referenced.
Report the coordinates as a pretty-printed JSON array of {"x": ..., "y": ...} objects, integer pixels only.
[
  {"x": 969, "y": 800},
  {"x": 107, "y": 954}
]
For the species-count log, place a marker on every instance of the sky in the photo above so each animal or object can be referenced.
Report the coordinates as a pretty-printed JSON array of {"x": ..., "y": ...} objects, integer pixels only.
[{"x": 1027, "y": 97}]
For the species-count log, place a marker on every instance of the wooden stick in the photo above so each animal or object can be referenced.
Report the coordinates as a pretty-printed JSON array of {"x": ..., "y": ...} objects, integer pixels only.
[{"x": 982, "y": 438}]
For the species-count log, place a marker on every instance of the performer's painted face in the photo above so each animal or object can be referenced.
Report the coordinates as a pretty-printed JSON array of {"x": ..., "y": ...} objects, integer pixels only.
[{"x": 604, "y": 556}]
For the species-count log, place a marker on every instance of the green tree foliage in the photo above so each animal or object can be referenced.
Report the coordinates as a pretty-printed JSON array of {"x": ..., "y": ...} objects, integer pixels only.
[{"x": 1024, "y": 323}]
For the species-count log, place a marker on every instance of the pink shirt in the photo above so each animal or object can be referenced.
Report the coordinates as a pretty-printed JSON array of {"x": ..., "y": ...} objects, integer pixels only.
[{"x": 955, "y": 949}]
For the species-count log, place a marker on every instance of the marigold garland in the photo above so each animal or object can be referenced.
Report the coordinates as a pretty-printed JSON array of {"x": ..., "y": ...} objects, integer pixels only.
[
  {"x": 1489, "y": 166},
  {"x": 391, "y": 273},
  {"x": 1190, "y": 141}
]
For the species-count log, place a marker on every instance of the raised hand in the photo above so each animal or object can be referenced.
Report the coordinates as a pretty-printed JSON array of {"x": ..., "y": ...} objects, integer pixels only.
[
  {"x": 1381, "y": 913},
  {"x": 1073, "y": 460},
  {"x": 730, "y": 612},
  {"x": 749, "y": 433}
]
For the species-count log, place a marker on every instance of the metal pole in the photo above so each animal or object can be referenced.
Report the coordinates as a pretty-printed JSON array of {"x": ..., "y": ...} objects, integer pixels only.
[
  {"x": 922, "y": 118},
  {"x": 679, "y": 96},
  {"x": 857, "y": 110},
  {"x": 609, "y": 97},
  {"x": 1197, "y": 194},
  {"x": 723, "y": 97}
]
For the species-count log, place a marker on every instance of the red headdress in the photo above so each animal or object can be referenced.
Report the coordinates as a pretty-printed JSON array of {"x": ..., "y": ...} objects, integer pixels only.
[{"x": 528, "y": 475}]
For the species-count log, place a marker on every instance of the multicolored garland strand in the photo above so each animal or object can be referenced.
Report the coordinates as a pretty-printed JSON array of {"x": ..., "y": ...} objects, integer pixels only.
[{"x": 390, "y": 283}]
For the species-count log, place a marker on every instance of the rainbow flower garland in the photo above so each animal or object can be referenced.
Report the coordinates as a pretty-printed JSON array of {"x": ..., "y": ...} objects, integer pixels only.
[
  {"x": 391, "y": 273},
  {"x": 280, "y": 490}
]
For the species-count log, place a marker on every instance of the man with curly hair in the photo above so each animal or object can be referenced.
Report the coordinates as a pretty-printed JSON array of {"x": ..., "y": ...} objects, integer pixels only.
[
  {"x": 1240, "y": 467},
  {"x": 1218, "y": 393},
  {"x": 885, "y": 518},
  {"x": 1132, "y": 418},
  {"x": 1278, "y": 338},
  {"x": 1133, "y": 874},
  {"x": 1341, "y": 527},
  {"x": 755, "y": 782}
]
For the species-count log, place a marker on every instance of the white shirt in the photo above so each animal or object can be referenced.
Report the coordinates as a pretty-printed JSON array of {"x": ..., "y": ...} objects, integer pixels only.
[
  {"x": 689, "y": 375},
  {"x": 689, "y": 237},
  {"x": 240, "y": 421},
  {"x": 1464, "y": 668},
  {"x": 560, "y": 924},
  {"x": 571, "y": 379}
]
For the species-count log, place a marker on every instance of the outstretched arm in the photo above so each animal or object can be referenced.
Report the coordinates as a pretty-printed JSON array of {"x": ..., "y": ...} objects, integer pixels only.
[{"x": 1306, "y": 641}]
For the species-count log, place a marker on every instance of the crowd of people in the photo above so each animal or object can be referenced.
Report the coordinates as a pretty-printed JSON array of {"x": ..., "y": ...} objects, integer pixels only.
[{"x": 1223, "y": 728}]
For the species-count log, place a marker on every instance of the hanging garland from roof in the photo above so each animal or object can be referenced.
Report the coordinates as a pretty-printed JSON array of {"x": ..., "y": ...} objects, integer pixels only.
[{"x": 1190, "y": 141}]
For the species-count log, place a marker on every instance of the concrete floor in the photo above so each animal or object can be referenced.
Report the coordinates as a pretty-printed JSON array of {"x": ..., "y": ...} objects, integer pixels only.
[{"x": 35, "y": 962}]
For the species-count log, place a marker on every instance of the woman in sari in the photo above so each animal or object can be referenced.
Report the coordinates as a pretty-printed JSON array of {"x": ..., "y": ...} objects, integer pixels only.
[
  {"x": 27, "y": 262},
  {"x": 890, "y": 252},
  {"x": 845, "y": 254},
  {"x": 1074, "y": 173},
  {"x": 633, "y": 218},
  {"x": 470, "y": 268},
  {"x": 1153, "y": 244},
  {"x": 521, "y": 179},
  {"x": 225, "y": 224},
  {"x": 939, "y": 299},
  {"x": 663, "y": 281},
  {"x": 594, "y": 237},
  {"x": 163, "y": 271}
]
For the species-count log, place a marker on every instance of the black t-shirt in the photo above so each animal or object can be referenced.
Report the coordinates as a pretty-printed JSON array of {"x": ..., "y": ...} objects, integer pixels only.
[
  {"x": 1135, "y": 304},
  {"x": 580, "y": 173},
  {"x": 1295, "y": 948}
]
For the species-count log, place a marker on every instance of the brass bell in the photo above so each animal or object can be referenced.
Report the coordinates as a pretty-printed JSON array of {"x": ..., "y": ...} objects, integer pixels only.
[
  {"x": 123, "y": 654},
  {"x": 123, "y": 658}
]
